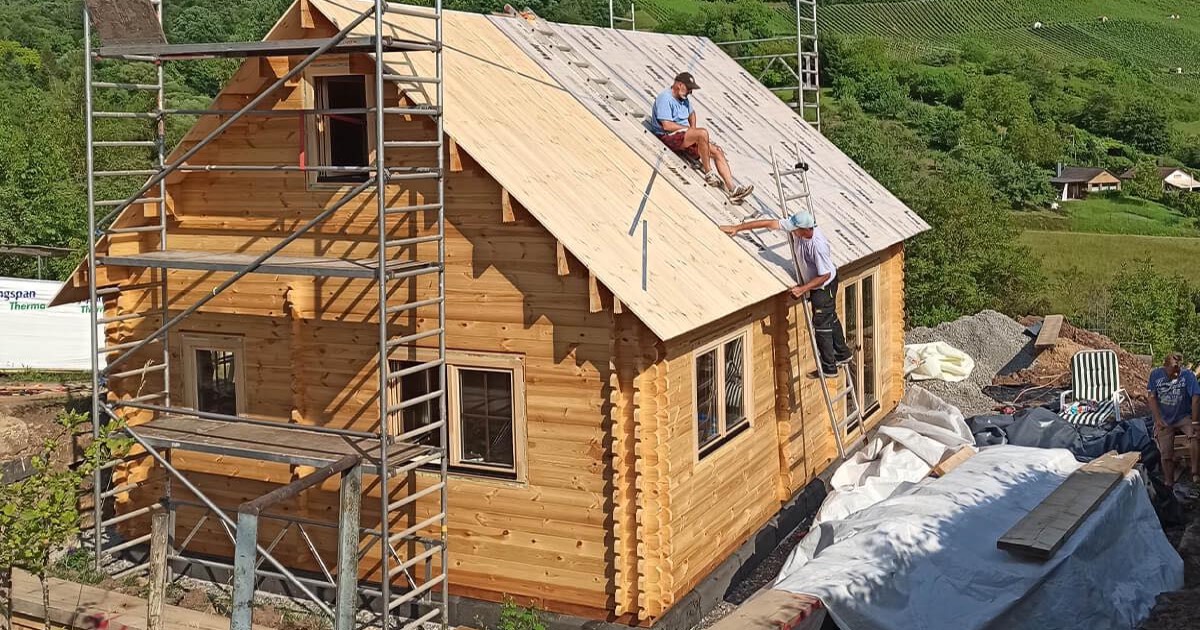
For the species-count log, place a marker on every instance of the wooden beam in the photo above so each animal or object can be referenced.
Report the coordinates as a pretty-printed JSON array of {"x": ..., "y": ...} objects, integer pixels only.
[
  {"x": 564, "y": 265},
  {"x": 1048, "y": 335},
  {"x": 618, "y": 308},
  {"x": 306, "y": 15},
  {"x": 506, "y": 210},
  {"x": 1047, "y": 526},
  {"x": 595, "y": 305},
  {"x": 776, "y": 610},
  {"x": 456, "y": 164},
  {"x": 951, "y": 461}
]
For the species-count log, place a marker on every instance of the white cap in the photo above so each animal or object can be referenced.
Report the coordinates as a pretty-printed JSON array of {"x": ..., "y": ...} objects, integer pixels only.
[{"x": 798, "y": 221}]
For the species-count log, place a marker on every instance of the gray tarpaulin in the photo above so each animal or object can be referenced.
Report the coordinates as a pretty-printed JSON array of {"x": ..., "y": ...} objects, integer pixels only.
[{"x": 926, "y": 557}]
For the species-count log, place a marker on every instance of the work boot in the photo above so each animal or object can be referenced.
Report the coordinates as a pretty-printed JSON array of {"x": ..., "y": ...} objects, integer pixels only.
[{"x": 819, "y": 374}]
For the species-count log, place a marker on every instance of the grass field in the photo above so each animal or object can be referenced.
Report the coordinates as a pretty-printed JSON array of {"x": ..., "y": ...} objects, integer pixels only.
[
  {"x": 1076, "y": 263},
  {"x": 1103, "y": 215}
]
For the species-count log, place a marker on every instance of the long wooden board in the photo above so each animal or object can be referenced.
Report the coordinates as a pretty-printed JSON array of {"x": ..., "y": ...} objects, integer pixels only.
[
  {"x": 1048, "y": 335},
  {"x": 1044, "y": 530},
  {"x": 776, "y": 610}
]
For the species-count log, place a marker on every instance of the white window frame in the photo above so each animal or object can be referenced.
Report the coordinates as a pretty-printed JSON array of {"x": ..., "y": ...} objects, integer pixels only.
[
  {"x": 316, "y": 150},
  {"x": 725, "y": 432},
  {"x": 190, "y": 343},
  {"x": 858, "y": 348},
  {"x": 457, "y": 360}
]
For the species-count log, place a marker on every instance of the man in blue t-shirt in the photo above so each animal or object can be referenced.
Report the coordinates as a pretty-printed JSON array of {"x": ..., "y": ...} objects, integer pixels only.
[
  {"x": 673, "y": 120},
  {"x": 1175, "y": 404}
]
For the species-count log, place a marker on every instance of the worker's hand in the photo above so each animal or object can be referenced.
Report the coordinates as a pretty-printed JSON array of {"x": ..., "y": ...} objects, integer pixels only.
[
  {"x": 731, "y": 230},
  {"x": 798, "y": 292}
]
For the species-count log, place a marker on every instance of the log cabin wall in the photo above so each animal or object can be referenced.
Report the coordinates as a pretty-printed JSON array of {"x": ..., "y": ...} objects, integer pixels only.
[{"x": 308, "y": 352}]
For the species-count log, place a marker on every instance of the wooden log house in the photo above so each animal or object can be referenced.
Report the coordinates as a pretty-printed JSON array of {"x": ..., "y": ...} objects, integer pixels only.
[{"x": 628, "y": 397}]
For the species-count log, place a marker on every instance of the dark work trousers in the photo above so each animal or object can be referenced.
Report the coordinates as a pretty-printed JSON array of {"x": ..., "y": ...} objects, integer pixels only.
[{"x": 831, "y": 339}]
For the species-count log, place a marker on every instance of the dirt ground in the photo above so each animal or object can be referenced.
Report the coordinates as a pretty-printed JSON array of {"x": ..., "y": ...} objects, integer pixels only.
[{"x": 1180, "y": 610}]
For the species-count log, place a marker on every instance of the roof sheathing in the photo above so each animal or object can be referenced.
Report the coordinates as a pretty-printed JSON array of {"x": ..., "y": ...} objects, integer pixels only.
[
  {"x": 580, "y": 181},
  {"x": 859, "y": 215}
]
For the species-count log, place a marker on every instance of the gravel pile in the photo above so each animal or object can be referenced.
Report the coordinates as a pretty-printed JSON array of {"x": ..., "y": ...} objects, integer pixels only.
[{"x": 997, "y": 343}]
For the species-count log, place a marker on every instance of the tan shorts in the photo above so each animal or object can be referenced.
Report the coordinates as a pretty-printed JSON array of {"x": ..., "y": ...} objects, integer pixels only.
[{"x": 1165, "y": 436}]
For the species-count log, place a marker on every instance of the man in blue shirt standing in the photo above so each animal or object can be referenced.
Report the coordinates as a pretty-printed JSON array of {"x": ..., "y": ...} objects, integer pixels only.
[
  {"x": 1175, "y": 405},
  {"x": 819, "y": 282},
  {"x": 673, "y": 120}
]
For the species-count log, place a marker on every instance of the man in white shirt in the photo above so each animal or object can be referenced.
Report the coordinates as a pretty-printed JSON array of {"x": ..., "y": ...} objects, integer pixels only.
[{"x": 819, "y": 283}]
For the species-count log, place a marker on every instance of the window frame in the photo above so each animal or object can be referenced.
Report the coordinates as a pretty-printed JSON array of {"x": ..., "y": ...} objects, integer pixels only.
[
  {"x": 190, "y": 343},
  {"x": 858, "y": 348},
  {"x": 314, "y": 147},
  {"x": 725, "y": 433},
  {"x": 483, "y": 361}
]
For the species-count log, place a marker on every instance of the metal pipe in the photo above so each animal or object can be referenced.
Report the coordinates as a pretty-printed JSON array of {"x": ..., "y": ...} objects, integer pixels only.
[
  {"x": 779, "y": 38},
  {"x": 416, "y": 240},
  {"x": 216, "y": 564},
  {"x": 443, "y": 432},
  {"x": 116, "y": 202},
  {"x": 411, "y": 402},
  {"x": 250, "y": 267},
  {"x": 129, "y": 543},
  {"x": 411, "y": 562},
  {"x": 416, "y": 496},
  {"x": 128, "y": 516},
  {"x": 294, "y": 488},
  {"x": 207, "y": 415},
  {"x": 422, "y": 461},
  {"x": 93, "y": 297},
  {"x": 417, "y": 208},
  {"x": 260, "y": 97},
  {"x": 414, "y": 594},
  {"x": 139, "y": 371},
  {"x": 125, "y": 86},
  {"x": 403, "y": 78},
  {"x": 394, "y": 538},
  {"x": 133, "y": 230},
  {"x": 399, "y": 341},
  {"x": 419, "y": 622},
  {"x": 229, "y": 522},
  {"x": 400, "y": 308},
  {"x": 433, "y": 426},
  {"x": 412, "y": 11},
  {"x": 421, "y": 367},
  {"x": 382, "y": 277},
  {"x": 124, "y": 143}
]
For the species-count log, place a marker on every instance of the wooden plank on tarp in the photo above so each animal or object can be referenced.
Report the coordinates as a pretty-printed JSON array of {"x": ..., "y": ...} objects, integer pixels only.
[
  {"x": 951, "y": 461},
  {"x": 775, "y": 610},
  {"x": 1044, "y": 530},
  {"x": 1048, "y": 335}
]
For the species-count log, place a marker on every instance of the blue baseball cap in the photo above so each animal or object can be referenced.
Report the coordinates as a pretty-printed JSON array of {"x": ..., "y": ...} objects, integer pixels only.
[{"x": 800, "y": 220}]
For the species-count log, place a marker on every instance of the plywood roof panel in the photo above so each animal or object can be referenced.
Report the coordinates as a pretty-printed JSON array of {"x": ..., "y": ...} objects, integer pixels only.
[
  {"x": 578, "y": 179},
  {"x": 857, "y": 213}
]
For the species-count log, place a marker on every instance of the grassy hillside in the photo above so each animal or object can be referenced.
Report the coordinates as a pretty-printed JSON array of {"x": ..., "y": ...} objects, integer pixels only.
[{"x": 1117, "y": 215}]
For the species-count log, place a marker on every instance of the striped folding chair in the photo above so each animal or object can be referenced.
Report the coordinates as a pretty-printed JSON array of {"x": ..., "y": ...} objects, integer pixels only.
[{"x": 1096, "y": 380}]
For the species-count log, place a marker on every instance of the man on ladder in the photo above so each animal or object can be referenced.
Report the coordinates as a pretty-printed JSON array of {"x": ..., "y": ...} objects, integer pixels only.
[
  {"x": 815, "y": 260},
  {"x": 673, "y": 121}
]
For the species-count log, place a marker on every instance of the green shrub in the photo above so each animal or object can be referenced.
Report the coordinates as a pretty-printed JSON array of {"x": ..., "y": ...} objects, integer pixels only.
[{"x": 516, "y": 617}]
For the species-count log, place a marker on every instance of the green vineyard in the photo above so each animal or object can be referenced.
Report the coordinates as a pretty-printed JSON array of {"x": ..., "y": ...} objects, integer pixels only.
[{"x": 1160, "y": 35}]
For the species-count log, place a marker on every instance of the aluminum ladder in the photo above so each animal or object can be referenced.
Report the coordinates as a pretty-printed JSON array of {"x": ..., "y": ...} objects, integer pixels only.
[{"x": 853, "y": 417}]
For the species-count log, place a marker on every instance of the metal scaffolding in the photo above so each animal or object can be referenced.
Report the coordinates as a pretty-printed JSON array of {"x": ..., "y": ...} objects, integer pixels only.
[{"x": 131, "y": 31}]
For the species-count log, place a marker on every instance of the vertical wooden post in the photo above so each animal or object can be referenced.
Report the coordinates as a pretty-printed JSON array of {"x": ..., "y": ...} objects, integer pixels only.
[
  {"x": 158, "y": 569},
  {"x": 245, "y": 557},
  {"x": 349, "y": 522}
]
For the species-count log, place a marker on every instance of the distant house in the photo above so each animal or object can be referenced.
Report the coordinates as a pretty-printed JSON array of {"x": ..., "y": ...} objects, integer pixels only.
[
  {"x": 1172, "y": 178},
  {"x": 1077, "y": 182}
]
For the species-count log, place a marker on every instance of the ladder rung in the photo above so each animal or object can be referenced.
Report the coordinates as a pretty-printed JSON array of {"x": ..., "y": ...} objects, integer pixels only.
[
  {"x": 401, "y": 242},
  {"x": 401, "y": 78},
  {"x": 416, "y": 496},
  {"x": 400, "y": 308},
  {"x": 395, "y": 376},
  {"x": 793, "y": 171},
  {"x": 413, "y": 111},
  {"x": 417, "y": 208},
  {"x": 408, "y": 174},
  {"x": 146, "y": 398},
  {"x": 99, "y": 57},
  {"x": 412, "y": 402},
  {"x": 796, "y": 196},
  {"x": 400, "y": 568},
  {"x": 124, "y": 143},
  {"x": 429, "y": 428},
  {"x": 125, "y": 114},
  {"x": 400, "y": 341},
  {"x": 146, "y": 172},
  {"x": 134, "y": 230},
  {"x": 110, "y": 203},
  {"x": 411, "y": 144},
  {"x": 842, "y": 394},
  {"x": 851, "y": 417},
  {"x": 149, "y": 87}
]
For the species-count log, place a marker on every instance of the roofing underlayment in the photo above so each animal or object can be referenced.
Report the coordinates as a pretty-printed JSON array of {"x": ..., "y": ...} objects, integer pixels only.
[{"x": 601, "y": 184}]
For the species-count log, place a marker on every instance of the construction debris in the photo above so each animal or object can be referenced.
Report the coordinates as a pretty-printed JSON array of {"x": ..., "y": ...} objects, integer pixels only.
[{"x": 997, "y": 343}]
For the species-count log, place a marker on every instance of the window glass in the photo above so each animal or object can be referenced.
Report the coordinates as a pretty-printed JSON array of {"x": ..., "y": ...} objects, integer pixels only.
[
  {"x": 422, "y": 414},
  {"x": 216, "y": 381},
  {"x": 486, "y": 418},
  {"x": 344, "y": 136},
  {"x": 707, "y": 422},
  {"x": 870, "y": 395},
  {"x": 735, "y": 408}
]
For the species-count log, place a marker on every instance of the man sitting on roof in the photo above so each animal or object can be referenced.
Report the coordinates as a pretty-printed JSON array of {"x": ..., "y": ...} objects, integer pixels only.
[
  {"x": 674, "y": 122},
  {"x": 815, "y": 260}
]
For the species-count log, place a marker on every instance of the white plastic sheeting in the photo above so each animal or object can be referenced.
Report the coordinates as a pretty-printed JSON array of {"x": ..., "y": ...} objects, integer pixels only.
[
  {"x": 38, "y": 337},
  {"x": 936, "y": 361},
  {"x": 926, "y": 558},
  {"x": 907, "y": 445}
]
